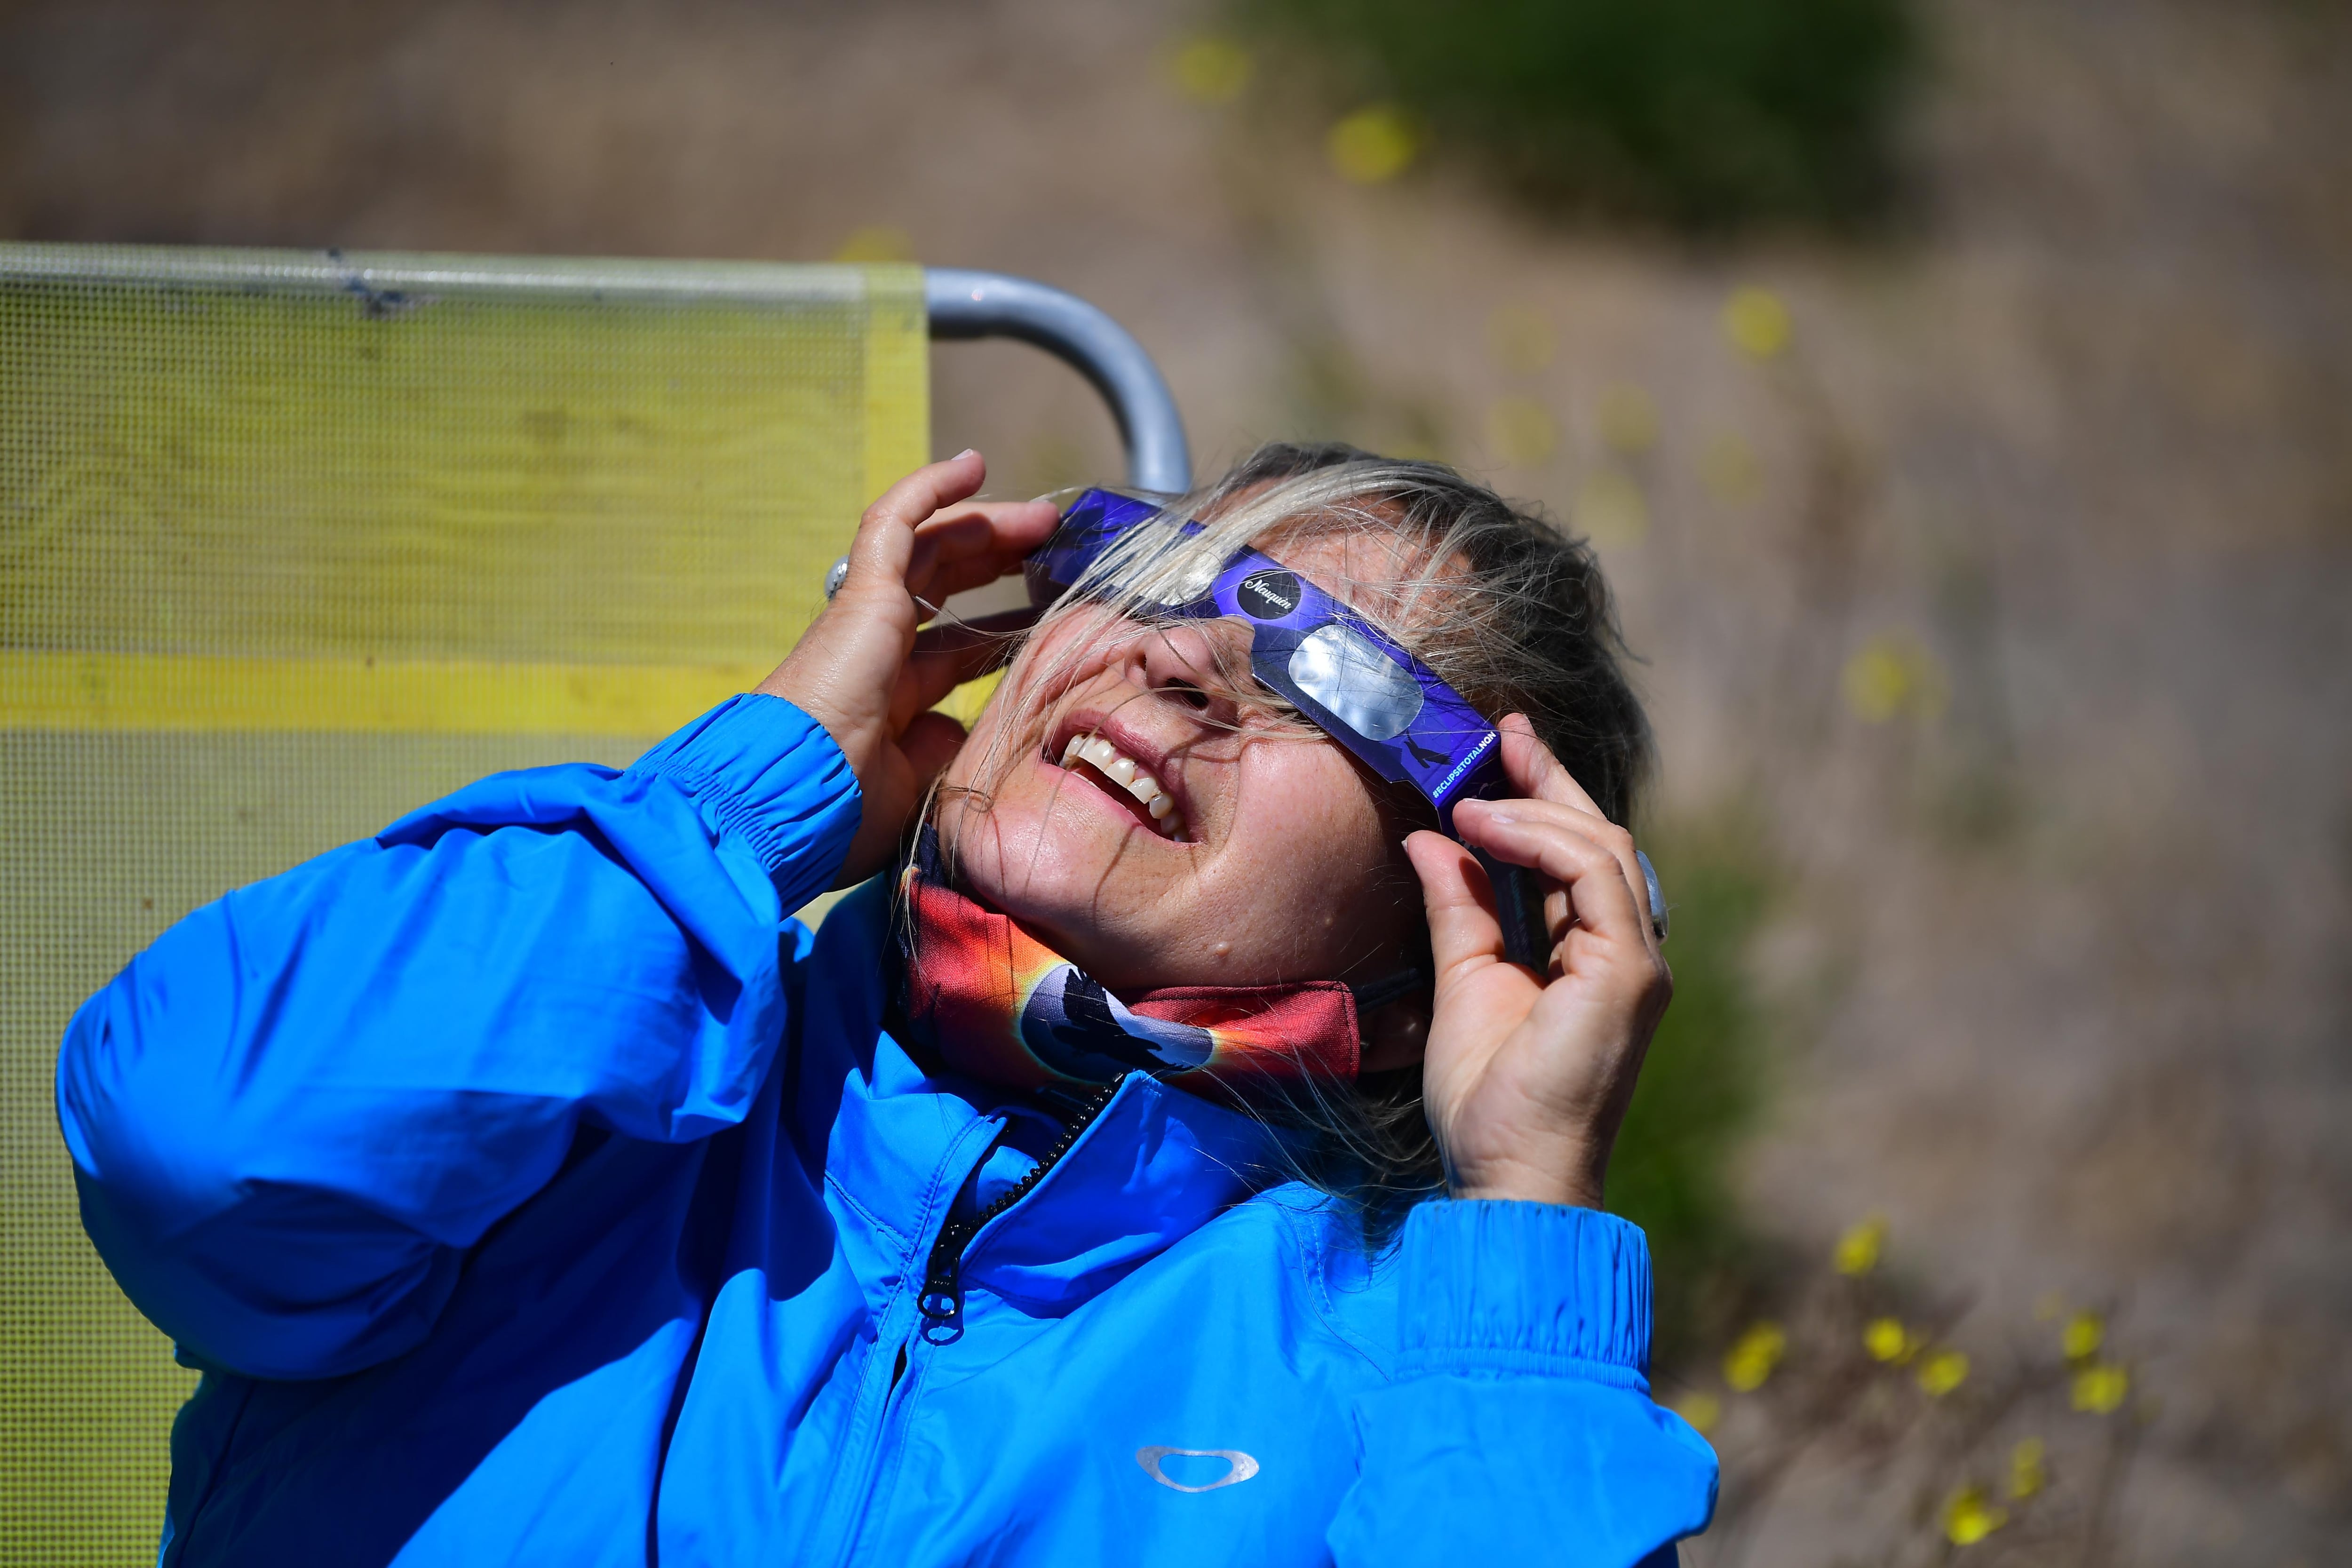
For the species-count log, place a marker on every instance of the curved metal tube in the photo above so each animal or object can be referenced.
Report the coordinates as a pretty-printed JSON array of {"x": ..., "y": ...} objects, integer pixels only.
[{"x": 993, "y": 305}]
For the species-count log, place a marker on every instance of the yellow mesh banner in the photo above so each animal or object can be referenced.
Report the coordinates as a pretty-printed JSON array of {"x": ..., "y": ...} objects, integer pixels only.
[{"x": 290, "y": 544}]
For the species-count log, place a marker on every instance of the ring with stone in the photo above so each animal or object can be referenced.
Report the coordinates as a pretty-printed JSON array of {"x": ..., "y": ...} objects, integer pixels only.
[{"x": 1658, "y": 920}]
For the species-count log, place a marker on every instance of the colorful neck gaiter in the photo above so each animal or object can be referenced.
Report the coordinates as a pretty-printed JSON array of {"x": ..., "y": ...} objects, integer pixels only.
[{"x": 995, "y": 1003}]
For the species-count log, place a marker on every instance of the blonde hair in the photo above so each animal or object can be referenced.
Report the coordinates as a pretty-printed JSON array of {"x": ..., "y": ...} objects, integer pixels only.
[{"x": 1506, "y": 609}]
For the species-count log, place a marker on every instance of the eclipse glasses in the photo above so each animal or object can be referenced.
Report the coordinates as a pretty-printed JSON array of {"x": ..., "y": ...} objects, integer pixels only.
[
  {"x": 1358, "y": 686},
  {"x": 1355, "y": 683}
]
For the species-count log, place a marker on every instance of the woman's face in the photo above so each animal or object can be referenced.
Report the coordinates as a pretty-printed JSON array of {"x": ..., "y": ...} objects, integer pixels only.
[{"x": 1271, "y": 861}]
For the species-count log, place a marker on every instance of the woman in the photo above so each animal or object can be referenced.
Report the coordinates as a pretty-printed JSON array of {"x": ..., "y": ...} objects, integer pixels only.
[{"x": 530, "y": 1189}]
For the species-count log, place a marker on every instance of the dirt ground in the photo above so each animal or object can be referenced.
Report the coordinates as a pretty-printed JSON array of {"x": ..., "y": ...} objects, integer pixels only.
[{"x": 2010, "y": 604}]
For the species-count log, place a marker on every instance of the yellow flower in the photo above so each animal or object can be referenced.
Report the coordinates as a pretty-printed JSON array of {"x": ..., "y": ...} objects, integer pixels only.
[
  {"x": 2100, "y": 1387},
  {"x": 1970, "y": 1516},
  {"x": 1876, "y": 681},
  {"x": 1629, "y": 420},
  {"x": 1372, "y": 144},
  {"x": 1521, "y": 430},
  {"x": 1729, "y": 471},
  {"x": 877, "y": 242},
  {"x": 1893, "y": 675},
  {"x": 1752, "y": 1358},
  {"x": 1610, "y": 507},
  {"x": 2028, "y": 1472},
  {"x": 1701, "y": 1410},
  {"x": 1756, "y": 321},
  {"x": 1887, "y": 1340},
  {"x": 1942, "y": 1373},
  {"x": 1858, "y": 1250},
  {"x": 1519, "y": 337},
  {"x": 2083, "y": 1335},
  {"x": 1211, "y": 70}
]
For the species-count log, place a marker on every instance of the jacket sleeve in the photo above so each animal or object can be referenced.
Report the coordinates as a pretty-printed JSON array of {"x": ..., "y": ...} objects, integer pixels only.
[
  {"x": 291, "y": 1115},
  {"x": 1519, "y": 1427}
]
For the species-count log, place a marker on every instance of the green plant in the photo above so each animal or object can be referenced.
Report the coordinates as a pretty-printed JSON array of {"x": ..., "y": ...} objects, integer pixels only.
[
  {"x": 1706, "y": 114},
  {"x": 1701, "y": 1082}
]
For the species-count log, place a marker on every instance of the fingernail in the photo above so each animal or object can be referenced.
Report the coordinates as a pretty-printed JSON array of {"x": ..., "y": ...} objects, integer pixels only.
[{"x": 967, "y": 452}]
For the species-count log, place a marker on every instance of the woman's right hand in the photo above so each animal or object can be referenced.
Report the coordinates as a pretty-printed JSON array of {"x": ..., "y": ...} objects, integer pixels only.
[{"x": 857, "y": 670}]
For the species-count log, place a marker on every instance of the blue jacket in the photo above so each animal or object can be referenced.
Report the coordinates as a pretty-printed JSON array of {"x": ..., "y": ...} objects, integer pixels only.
[{"x": 532, "y": 1189}]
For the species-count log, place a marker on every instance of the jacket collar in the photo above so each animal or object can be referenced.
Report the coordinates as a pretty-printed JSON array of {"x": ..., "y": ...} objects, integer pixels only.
[{"x": 1154, "y": 1165}]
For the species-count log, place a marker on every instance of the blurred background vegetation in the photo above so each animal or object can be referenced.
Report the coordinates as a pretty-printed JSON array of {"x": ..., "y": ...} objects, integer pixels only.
[
  {"x": 1704, "y": 113},
  {"x": 1959, "y": 395},
  {"x": 1700, "y": 1090}
]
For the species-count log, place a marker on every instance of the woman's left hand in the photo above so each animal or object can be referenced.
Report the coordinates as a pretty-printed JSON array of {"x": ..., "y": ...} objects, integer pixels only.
[
  {"x": 859, "y": 669},
  {"x": 1527, "y": 1077}
]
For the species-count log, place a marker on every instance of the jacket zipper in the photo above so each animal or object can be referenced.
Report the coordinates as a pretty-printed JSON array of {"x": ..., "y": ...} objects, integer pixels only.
[
  {"x": 941, "y": 1302},
  {"x": 939, "y": 1306}
]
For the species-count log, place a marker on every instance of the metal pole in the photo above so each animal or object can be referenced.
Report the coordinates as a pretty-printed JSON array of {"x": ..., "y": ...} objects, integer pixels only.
[{"x": 966, "y": 305}]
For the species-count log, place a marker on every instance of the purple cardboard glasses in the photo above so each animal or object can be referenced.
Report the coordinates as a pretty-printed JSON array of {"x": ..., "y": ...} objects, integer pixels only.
[{"x": 1358, "y": 686}]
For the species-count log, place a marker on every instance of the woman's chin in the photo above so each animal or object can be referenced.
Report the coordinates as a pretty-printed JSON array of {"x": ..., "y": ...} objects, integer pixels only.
[{"x": 1051, "y": 875}]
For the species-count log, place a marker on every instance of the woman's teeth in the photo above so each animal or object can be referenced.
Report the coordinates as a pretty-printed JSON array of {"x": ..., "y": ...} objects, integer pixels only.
[{"x": 1127, "y": 774}]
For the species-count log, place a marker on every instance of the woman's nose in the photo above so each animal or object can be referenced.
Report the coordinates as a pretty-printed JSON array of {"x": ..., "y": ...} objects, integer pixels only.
[{"x": 1204, "y": 668}]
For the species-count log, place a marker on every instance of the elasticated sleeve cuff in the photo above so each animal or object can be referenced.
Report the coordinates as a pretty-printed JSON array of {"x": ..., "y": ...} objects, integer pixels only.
[
  {"x": 768, "y": 775},
  {"x": 1499, "y": 1286}
]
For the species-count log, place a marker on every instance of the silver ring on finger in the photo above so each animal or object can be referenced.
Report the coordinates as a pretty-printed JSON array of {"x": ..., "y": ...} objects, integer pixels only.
[
  {"x": 1658, "y": 917},
  {"x": 834, "y": 576}
]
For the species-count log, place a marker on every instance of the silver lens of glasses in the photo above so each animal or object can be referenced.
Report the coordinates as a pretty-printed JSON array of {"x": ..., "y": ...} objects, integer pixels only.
[{"x": 1360, "y": 685}]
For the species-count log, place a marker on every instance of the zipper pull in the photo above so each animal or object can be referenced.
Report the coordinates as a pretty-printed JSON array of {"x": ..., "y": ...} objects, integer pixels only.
[{"x": 941, "y": 1302}]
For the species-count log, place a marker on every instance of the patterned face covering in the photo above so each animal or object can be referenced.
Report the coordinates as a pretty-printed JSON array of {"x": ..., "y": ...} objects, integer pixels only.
[{"x": 996, "y": 1003}]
